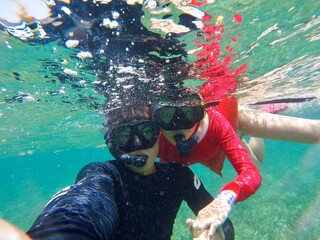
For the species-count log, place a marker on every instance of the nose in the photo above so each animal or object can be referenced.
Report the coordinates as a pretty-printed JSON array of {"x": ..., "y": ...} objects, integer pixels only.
[{"x": 136, "y": 141}]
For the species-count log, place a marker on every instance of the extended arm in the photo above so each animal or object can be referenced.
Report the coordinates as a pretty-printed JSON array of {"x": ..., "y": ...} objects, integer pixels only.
[
  {"x": 249, "y": 178},
  {"x": 199, "y": 198},
  {"x": 85, "y": 210},
  {"x": 247, "y": 182},
  {"x": 267, "y": 125}
]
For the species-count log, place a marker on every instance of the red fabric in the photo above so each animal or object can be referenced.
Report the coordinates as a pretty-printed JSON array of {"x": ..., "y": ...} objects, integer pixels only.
[
  {"x": 214, "y": 64},
  {"x": 219, "y": 139},
  {"x": 228, "y": 107}
]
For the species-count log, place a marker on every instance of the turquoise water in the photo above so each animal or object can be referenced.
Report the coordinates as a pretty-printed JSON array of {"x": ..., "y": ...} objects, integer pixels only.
[
  {"x": 285, "y": 207},
  {"x": 45, "y": 143}
]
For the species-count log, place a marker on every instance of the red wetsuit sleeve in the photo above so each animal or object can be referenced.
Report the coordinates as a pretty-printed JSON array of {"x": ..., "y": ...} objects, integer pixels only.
[{"x": 249, "y": 178}]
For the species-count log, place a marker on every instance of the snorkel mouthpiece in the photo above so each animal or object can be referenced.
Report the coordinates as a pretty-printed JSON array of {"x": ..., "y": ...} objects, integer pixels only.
[
  {"x": 184, "y": 146},
  {"x": 135, "y": 160}
]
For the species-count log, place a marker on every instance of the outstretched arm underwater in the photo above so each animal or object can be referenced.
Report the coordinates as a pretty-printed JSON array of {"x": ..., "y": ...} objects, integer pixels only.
[{"x": 260, "y": 124}]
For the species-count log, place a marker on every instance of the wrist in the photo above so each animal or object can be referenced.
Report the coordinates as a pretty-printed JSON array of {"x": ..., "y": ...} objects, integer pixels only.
[{"x": 227, "y": 196}]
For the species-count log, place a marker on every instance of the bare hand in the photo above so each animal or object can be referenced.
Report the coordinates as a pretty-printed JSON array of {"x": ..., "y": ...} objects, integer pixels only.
[
  {"x": 218, "y": 235},
  {"x": 211, "y": 217}
]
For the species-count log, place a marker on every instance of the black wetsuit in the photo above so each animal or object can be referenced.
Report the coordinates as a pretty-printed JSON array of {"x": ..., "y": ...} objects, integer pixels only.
[{"x": 103, "y": 205}]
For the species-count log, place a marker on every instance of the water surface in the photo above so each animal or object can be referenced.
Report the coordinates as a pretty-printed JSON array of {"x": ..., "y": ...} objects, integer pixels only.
[{"x": 48, "y": 137}]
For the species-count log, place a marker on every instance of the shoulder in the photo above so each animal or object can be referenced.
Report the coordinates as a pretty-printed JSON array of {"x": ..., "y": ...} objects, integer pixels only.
[
  {"x": 99, "y": 168},
  {"x": 212, "y": 112},
  {"x": 217, "y": 120}
]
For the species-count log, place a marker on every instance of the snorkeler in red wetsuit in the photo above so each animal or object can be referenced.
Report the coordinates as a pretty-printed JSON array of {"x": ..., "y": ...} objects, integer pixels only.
[
  {"x": 218, "y": 139},
  {"x": 193, "y": 132}
]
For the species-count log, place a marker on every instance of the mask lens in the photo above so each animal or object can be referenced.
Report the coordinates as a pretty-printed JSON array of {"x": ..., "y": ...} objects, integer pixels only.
[
  {"x": 173, "y": 118},
  {"x": 135, "y": 137},
  {"x": 193, "y": 113},
  {"x": 147, "y": 130},
  {"x": 164, "y": 115},
  {"x": 121, "y": 135}
]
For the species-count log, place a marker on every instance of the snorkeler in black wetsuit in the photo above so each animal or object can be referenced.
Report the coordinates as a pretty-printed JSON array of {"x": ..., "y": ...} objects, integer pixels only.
[
  {"x": 116, "y": 199},
  {"x": 113, "y": 200}
]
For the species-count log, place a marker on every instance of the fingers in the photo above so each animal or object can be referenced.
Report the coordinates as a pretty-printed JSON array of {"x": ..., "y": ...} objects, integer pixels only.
[
  {"x": 206, "y": 236},
  {"x": 212, "y": 230},
  {"x": 203, "y": 233},
  {"x": 203, "y": 236},
  {"x": 201, "y": 225},
  {"x": 195, "y": 231},
  {"x": 189, "y": 223}
]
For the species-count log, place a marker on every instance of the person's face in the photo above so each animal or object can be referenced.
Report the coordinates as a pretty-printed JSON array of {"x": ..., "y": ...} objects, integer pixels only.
[
  {"x": 149, "y": 167},
  {"x": 187, "y": 133}
]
